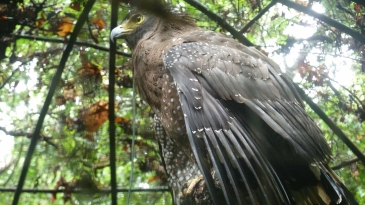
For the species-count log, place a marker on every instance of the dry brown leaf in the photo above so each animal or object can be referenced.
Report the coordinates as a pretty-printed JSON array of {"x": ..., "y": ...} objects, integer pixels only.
[
  {"x": 65, "y": 27},
  {"x": 60, "y": 100},
  {"x": 96, "y": 115},
  {"x": 303, "y": 68},
  {"x": 88, "y": 69},
  {"x": 39, "y": 22},
  {"x": 75, "y": 6},
  {"x": 153, "y": 178},
  {"x": 301, "y": 2},
  {"x": 357, "y": 7},
  {"x": 99, "y": 23},
  {"x": 91, "y": 71},
  {"x": 89, "y": 136}
]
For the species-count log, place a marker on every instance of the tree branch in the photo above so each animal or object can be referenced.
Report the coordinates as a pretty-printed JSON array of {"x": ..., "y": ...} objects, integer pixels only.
[
  {"x": 352, "y": 95},
  {"x": 17, "y": 159},
  {"x": 330, "y": 124},
  {"x": 257, "y": 17},
  {"x": 9, "y": 77},
  {"x": 61, "y": 40},
  {"x": 7, "y": 165},
  {"x": 356, "y": 35},
  {"x": 103, "y": 190},
  {"x": 345, "y": 163},
  {"x": 28, "y": 135},
  {"x": 236, "y": 34}
]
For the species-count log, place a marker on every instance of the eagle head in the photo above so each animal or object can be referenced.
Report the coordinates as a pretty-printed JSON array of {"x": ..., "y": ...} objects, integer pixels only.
[{"x": 135, "y": 25}]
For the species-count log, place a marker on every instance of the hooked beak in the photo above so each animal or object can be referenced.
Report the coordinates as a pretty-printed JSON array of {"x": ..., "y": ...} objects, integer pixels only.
[{"x": 118, "y": 32}]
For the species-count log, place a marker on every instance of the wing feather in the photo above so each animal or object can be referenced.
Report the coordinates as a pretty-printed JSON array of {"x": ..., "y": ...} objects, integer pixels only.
[
  {"x": 220, "y": 170},
  {"x": 220, "y": 85},
  {"x": 244, "y": 143},
  {"x": 199, "y": 153},
  {"x": 234, "y": 164},
  {"x": 210, "y": 77}
]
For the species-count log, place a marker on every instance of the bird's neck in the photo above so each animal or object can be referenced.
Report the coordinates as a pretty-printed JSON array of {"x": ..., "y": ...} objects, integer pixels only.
[{"x": 148, "y": 58}]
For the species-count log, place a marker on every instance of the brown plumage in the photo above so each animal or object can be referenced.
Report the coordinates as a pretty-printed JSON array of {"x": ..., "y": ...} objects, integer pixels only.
[{"x": 231, "y": 128}]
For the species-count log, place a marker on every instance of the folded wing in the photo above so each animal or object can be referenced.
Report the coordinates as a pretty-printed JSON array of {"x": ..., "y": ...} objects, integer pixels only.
[{"x": 243, "y": 119}]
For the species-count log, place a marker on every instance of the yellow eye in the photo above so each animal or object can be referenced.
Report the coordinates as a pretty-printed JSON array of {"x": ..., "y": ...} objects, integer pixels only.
[{"x": 139, "y": 19}]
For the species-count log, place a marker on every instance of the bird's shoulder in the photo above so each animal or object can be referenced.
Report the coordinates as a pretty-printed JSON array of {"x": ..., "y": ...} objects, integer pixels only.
[{"x": 239, "y": 68}]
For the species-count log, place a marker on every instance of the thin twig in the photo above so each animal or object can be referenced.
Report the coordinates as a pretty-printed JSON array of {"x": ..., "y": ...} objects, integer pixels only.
[
  {"x": 257, "y": 17},
  {"x": 352, "y": 95},
  {"x": 90, "y": 31},
  {"x": 61, "y": 40},
  {"x": 356, "y": 35},
  {"x": 17, "y": 160},
  {"x": 9, "y": 77},
  {"x": 237, "y": 35},
  {"x": 32, "y": 190},
  {"x": 6, "y": 166},
  {"x": 330, "y": 124},
  {"x": 345, "y": 163},
  {"x": 28, "y": 135}
]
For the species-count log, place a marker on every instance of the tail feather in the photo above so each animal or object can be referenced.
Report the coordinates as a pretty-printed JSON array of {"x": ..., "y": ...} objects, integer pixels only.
[
  {"x": 348, "y": 196},
  {"x": 322, "y": 187},
  {"x": 334, "y": 188}
]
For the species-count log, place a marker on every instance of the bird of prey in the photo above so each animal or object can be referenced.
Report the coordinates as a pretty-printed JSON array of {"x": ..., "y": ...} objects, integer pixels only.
[{"x": 230, "y": 125}]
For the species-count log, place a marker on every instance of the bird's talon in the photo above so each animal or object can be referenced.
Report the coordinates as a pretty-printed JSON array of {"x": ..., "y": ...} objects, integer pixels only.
[{"x": 192, "y": 184}]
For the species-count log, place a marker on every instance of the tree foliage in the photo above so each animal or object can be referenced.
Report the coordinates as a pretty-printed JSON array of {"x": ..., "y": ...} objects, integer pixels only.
[{"x": 320, "y": 44}]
